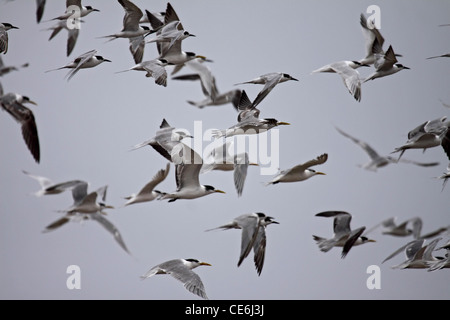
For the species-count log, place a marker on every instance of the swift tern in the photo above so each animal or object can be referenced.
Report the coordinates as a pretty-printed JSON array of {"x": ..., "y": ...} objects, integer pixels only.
[
  {"x": 208, "y": 84},
  {"x": 181, "y": 269},
  {"x": 72, "y": 34},
  {"x": 248, "y": 120},
  {"x": 221, "y": 158},
  {"x": 343, "y": 236},
  {"x": 269, "y": 80},
  {"x": 164, "y": 140},
  {"x": 13, "y": 103},
  {"x": 430, "y": 134},
  {"x": 7, "y": 69},
  {"x": 408, "y": 227},
  {"x": 188, "y": 164},
  {"x": 155, "y": 68},
  {"x": 418, "y": 255},
  {"x": 147, "y": 193},
  {"x": 378, "y": 161},
  {"x": 440, "y": 262},
  {"x": 132, "y": 30},
  {"x": 48, "y": 187},
  {"x": 4, "y": 27},
  {"x": 300, "y": 172},
  {"x": 84, "y": 61},
  {"x": 349, "y": 74},
  {"x": 86, "y": 207},
  {"x": 81, "y": 11},
  {"x": 385, "y": 65},
  {"x": 253, "y": 236}
]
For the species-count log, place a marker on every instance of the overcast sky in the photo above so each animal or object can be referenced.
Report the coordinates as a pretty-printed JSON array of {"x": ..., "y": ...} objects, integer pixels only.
[{"x": 88, "y": 125}]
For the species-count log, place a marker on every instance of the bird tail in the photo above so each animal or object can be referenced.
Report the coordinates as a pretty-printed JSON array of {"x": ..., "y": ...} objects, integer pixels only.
[{"x": 323, "y": 244}]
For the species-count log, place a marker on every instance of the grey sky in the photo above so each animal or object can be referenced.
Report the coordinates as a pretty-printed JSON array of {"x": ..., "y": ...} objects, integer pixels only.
[{"x": 87, "y": 126}]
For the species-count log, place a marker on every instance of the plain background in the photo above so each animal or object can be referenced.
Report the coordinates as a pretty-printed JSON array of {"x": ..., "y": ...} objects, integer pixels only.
[{"x": 87, "y": 126}]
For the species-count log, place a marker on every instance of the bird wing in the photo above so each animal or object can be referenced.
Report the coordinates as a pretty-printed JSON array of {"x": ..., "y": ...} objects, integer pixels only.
[
  {"x": 58, "y": 223},
  {"x": 353, "y": 236},
  {"x": 158, "y": 178},
  {"x": 79, "y": 192},
  {"x": 259, "y": 249},
  {"x": 351, "y": 79},
  {"x": 25, "y": 117},
  {"x": 302, "y": 167},
  {"x": 3, "y": 41},
  {"x": 132, "y": 15},
  {"x": 71, "y": 39},
  {"x": 386, "y": 61},
  {"x": 40, "y": 10},
  {"x": 271, "y": 81},
  {"x": 97, "y": 216},
  {"x": 366, "y": 147},
  {"x": 190, "y": 279},
  {"x": 241, "y": 163},
  {"x": 80, "y": 61},
  {"x": 372, "y": 34}
]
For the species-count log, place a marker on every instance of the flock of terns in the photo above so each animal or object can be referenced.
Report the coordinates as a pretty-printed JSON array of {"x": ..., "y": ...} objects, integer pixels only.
[{"x": 168, "y": 33}]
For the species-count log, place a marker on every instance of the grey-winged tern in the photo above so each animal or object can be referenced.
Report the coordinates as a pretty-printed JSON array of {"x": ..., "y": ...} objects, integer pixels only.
[
  {"x": 181, "y": 269},
  {"x": 48, "y": 187}
]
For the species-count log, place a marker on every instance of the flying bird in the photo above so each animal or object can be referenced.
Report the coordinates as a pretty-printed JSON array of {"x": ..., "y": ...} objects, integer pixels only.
[
  {"x": 269, "y": 80},
  {"x": 300, "y": 172},
  {"x": 7, "y": 69},
  {"x": 377, "y": 161},
  {"x": 75, "y": 10},
  {"x": 181, "y": 269},
  {"x": 430, "y": 134},
  {"x": 72, "y": 34},
  {"x": 386, "y": 65},
  {"x": 48, "y": 187},
  {"x": 438, "y": 263},
  {"x": 84, "y": 61},
  {"x": 349, "y": 74},
  {"x": 87, "y": 207},
  {"x": 4, "y": 40},
  {"x": 418, "y": 255},
  {"x": 445, "y": 176},
  {"x": 222, "y": 159},
  {"x": 412, "y": 226},
  {"x": 154, "y": 68},
  {"x": 248, "y": 120},
  {"x": 13, "y": 103},
  {"x": 40, "y": 6},
  {"x": 132, "y": 30},
  {"x": 188, "y": 164},
  {"x": 148, "y": 192},
  {"x": 253, "y": 236},
  {"x": 343, "y": 236}
]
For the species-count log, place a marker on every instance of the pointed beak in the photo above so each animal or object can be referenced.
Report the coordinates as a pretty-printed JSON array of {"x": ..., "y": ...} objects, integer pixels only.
[
  {"x": 32, "y": 102},
  {"x": 370, "y": 240},
  {"x": 281, "y": 123},
  {"x": 192, "y": 35},
  {"x": 253, "y": 164},
  {"x": 109, "y": 207},
  {"x": 219, "y": 191},
  {"x": 407, "y": 68},
  {"x": 321, "y": 173},
  {"x": 205, "y": 264},
  {"x": 106, "y": 60},
  {"x": 96, "y": 10},
  {"x": 294, "y": 79}
]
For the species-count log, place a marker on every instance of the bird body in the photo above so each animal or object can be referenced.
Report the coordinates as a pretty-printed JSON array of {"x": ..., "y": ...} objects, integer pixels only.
[
  {"x": 386, "y": 65},
  {"x": 4, "y": 39}
]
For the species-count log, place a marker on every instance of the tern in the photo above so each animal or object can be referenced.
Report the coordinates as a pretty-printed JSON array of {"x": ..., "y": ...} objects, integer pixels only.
[
  {"x": 84, "y": 61},
  {"x": 377, "y": 161},
  {"x": 430, "y": 134},
  {"x": 188, "y": 164},
  {"x": 13, "y": 103},
  {"x": 374, "y": 39},
  {"x": 300, "y": 172},
  {"x": 154, "y": 68},
  {"x": 441, "y": 262},
  {"x": 181, "y": 269},
  {"x": 269, "y": 80},
  {"x": 86, "y": 207},
  {"x": 74, "y": 9},
  {"x": 385, "y": 65},
  {"x": 350, "y": 76},
  {"x": 147, "y": 193},
  {"x": 389, "y": 227},
  {"x": 7, "y": 69},
  {"x": 72, "y": 34},
  {"x": 248, "y": 120},
  {"x": 132, "y": 30},
  {"x": 208, "y": 83},
  {"x": 48, "y": 187},
  {"x": 253, "y": 236},
  {"x": 4, "y": 27},
  {"x": 165, "y": 139},
  {"x": 343, "y": 236},
  {"x": 418, "y": 255},
  {"x": 223, "y": 159}
]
